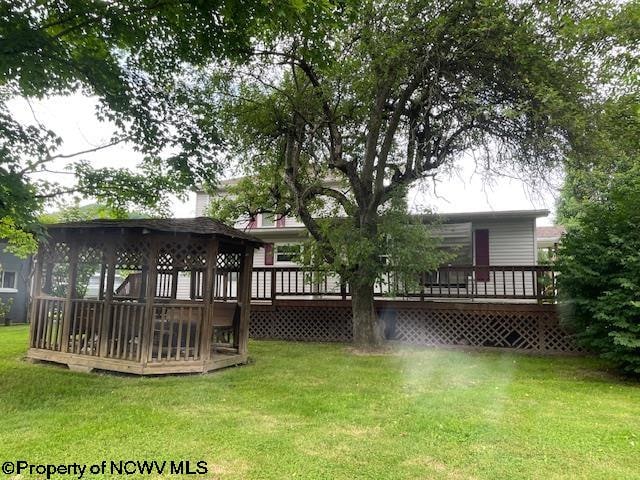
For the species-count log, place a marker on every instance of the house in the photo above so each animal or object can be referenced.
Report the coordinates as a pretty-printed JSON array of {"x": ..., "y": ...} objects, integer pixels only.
[
  {"x": 496, "y": 253},
  {"x": 548, "y": 239},
  {"x": 14, "y": 286},
  {"x": 495, "y": 293},
  {"x": 482, "y": 238}
]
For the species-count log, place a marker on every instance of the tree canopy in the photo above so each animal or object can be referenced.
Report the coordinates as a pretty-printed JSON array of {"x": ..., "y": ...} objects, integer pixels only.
[
  {"x": 332, "y": 108},
  {"x": 396, "y": 92},
  {"x": 140, "y": 59}
]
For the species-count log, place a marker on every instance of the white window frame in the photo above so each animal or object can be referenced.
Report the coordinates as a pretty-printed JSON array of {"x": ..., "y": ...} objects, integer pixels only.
[{"x": 11, "y": 289}]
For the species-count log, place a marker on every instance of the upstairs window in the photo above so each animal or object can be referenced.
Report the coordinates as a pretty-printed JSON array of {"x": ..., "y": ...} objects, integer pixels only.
[{"x": 267, "y": 220}]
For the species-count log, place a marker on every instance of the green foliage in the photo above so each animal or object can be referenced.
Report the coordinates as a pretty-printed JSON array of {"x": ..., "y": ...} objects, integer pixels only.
[
  {"x": 142, "y": 61},
  {"x": 611, "y": 148},
  {"x": 77, "y": 212},
  {"x": 19, "y": 242},
  {"x": 599, "y": 262},
  {"x": 402, "y": 248},
  {"x": 5, "y": 307}
]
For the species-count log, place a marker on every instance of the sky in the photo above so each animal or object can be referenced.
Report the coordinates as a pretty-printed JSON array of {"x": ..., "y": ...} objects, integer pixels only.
[{"x": 73, "y": 119}]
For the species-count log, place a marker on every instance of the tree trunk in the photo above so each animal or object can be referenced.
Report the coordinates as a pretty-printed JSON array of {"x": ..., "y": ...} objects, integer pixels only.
[{"x": 367, "y": 328}]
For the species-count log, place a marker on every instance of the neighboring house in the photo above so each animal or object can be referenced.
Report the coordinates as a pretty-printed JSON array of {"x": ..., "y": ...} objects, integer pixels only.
[
  {"x": 548, "y": 239},
  {"x": 14, "y": 285}
]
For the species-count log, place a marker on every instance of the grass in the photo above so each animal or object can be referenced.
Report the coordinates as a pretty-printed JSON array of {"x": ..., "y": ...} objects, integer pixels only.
[{"x": 322, "y": 412}]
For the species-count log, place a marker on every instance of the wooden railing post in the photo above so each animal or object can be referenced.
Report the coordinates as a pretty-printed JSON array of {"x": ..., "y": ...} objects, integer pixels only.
[
  {"x": 110, "y": 260},
  {"x": 273, "y": 285},
  {"x": 147, "y": 344},
  {"x": 35, "y": 296},
  {"x": 68, "y": 304},
  {"x": 244, "y": 299},
  {"x": 208, "y": 284},
  {"x": 538, "y": 285}
]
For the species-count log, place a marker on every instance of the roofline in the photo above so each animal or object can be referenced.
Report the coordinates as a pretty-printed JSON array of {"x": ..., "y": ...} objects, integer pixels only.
[
  {"x": 491, "y": 215},
  {"x": 110, "y": 223}
]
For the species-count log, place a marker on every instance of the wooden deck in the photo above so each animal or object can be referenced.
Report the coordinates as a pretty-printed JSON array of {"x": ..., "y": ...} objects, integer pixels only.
[{"x": 87, "y": 363}]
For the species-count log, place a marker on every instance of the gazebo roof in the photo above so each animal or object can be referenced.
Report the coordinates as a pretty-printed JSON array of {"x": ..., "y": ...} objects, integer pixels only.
[{"x": 199, "y": 226}]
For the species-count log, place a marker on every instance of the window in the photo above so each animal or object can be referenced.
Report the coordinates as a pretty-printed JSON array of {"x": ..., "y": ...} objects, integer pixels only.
[
  {"x": 287, "y": 253},
  {"x": 7, "y": 279},
  {"x": 267, "y": 220}
]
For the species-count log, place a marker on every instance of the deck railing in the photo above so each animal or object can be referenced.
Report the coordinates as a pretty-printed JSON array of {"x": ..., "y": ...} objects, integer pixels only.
[{"x": 512, "y": 282}]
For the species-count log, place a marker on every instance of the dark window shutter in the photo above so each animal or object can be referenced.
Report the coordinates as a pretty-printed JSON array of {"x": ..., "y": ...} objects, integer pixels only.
[
  {"x": 482, "y": 254},
  {"x": 268, "y": 254},
  {"x": 253, "y": 223},
  {"x": 280, "y": 222}
]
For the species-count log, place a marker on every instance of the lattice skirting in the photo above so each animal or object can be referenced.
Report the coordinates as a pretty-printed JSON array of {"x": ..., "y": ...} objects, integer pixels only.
[
  {"x": 523, "y": 327},
  {"x": 302, "y": 323}
]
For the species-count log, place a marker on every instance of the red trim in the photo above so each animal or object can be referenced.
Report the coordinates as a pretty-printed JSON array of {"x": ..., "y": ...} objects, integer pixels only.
[
  {"x": 280, "y": 223},
  {"x": 268, "y": 254},
  {"x": 253, "y": 223},
  {"x": 482, "y": 254}
]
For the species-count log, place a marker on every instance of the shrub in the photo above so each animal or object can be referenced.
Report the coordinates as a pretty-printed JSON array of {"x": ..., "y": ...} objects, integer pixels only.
[{"x": 599, "y": 265}]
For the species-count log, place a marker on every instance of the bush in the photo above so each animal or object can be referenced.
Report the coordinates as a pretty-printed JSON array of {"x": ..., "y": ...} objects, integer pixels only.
[{"x": 599, "y": 265}]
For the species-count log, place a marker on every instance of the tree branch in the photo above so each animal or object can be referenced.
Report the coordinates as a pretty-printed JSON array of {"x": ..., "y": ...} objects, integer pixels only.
[{"x": 32, "y": 166}]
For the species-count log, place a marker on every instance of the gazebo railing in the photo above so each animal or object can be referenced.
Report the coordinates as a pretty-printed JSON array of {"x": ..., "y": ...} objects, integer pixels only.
[
  {"x": 85, "y": 324},
  {"x": 125, "y": 331},
  {"x": 176, "y": 332},
  {"x": 47, "y": 327}
]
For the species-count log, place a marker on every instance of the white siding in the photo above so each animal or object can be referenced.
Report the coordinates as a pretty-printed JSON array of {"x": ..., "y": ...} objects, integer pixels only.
[
  {"x": 202, "y": 202},
  {"x": 511, "y": 242}
]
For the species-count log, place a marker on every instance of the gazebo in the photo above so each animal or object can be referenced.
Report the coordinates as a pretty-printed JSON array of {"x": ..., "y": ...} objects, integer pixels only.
[{"x": 144, "y": 296}]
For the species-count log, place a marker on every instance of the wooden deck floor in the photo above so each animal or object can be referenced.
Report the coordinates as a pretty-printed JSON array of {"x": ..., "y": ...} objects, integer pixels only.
[{"x": 88, "y": 363}]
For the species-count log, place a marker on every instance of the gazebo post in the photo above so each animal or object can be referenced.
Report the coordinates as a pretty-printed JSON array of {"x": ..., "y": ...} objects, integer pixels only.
[
  {"x": 142, "y": 290},
  {"x": 244, "y": 298},
  {"x": 207, "y": 299},
  {"x": 71, "y": 287},
  {"x": 110, "y": 260},
  {"x": 174, "y": 283},
  {"x": 147, "y": 345},
  {"x": 36, "y": 293},
  {"x": 103, "y": 272}
]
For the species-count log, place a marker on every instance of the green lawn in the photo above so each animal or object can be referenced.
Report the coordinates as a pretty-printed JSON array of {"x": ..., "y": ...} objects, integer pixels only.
[{"x": 318, "y": 411}]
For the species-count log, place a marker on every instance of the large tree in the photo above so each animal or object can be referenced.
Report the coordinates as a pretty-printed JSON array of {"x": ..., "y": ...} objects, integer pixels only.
[{"x": 394, "y": 92}]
